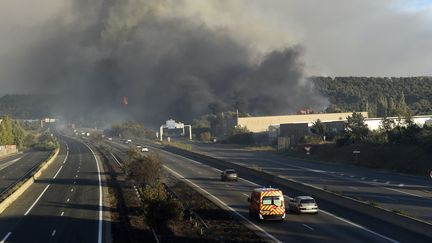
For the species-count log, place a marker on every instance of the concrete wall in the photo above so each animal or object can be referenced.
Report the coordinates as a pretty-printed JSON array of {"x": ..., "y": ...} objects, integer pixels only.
[
  {"x": 261, "y": 123},
  {"x": 6, "y": 150},
  {"x": 375, "y": 123}
]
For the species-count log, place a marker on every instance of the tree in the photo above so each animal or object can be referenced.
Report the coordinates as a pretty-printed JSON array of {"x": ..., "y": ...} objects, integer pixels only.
[
  {"x": 355, "y": 128},
  {"x": 319, "y": 128},
  {"x": 18, "y": 134},
  {"x": 240, "y": 135},
  {"x": 6, "y": 134}
]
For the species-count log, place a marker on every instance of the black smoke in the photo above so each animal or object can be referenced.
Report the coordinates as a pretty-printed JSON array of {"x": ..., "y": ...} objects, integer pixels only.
[{"x": 168, "y": 66}]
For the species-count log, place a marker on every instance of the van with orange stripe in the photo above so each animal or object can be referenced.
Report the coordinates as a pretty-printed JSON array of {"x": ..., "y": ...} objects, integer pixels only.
[{"x": 267, "y": 204}]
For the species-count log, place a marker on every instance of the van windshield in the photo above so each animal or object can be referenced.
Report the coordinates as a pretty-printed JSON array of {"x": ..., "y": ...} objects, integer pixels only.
[{"x": 275, "y": 200}]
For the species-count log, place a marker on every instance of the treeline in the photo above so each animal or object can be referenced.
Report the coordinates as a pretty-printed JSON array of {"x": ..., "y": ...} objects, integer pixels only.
[
  {"x": 381, "y": 97},
  {"x": 130, "y": 129},
  {"x": 27, "y": 106},
  {"x": 11, "y": 132}
]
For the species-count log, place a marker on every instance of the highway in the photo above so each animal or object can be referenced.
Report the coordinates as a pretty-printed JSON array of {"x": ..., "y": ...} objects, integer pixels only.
[
  {"x": 409, "y": 194},
  {"x": 64, "y": 205},
  {"x": 324, "y": 227},
  {"x": 19, "y": 166}
]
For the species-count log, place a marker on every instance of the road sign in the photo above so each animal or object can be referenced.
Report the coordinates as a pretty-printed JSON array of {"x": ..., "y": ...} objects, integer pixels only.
[{"x": 307, "y": 148}]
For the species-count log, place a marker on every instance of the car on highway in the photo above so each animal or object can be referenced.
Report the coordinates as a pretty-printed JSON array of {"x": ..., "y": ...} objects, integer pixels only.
[
  {"x": 303, "y": 204},
  {"x": 229, "y": 175},
  {"x": 144, "y": 149}
]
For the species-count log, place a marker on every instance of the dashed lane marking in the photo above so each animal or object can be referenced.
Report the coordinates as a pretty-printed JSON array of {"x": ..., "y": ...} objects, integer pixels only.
[
  {"x": 6, "y": 237},
  {"x": 37, "y": 199},
  {"x": 307, "y": 226}
]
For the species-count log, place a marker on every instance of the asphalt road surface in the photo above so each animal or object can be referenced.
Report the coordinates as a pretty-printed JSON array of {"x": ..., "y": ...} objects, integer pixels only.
[
  {"x": 64, "y": 205},
  {"x": 409, "y": 194},
  {"x": 19, "y": 166},
  {"x": 324, "y": 227}
]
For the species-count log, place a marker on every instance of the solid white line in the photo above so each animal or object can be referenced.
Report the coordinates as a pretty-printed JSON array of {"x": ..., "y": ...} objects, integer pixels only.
[
  {"x": 67, "y": 153},
  {"x": 359, "y": 226},
  {"x": 330, "y": 214},
  {"x": 62, "y": 213},
  {"x": 6, "y": 237},
  {"x": 307, "y": 226},
  {"x": 37, "y": 199},
  {"x": 407, "y": 193},
  {"x": 100, "y": 197},
  {"x": 58, "y": 172},
  {"x": 221, "y": 202},
  {"x": 116, "y": 160}
]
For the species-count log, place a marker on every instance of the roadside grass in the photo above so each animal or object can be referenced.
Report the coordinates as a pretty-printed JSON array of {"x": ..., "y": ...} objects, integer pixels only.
[
  {"x": 260, "y": 148},
  {"x": 179, "y": 145}
]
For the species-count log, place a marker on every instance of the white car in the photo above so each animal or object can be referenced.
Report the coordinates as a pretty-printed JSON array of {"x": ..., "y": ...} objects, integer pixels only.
[
  {"x": 144, "y": 149},
  {"x": 303, "y": 204}
]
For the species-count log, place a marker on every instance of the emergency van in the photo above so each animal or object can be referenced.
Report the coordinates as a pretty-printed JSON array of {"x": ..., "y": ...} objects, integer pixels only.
[{"x": 267, "y": 204}]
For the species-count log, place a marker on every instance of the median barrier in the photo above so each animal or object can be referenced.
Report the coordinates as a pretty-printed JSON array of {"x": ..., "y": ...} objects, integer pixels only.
[
  {"x": 15, "y": 192},
  {"x": 387, "y": 216}
]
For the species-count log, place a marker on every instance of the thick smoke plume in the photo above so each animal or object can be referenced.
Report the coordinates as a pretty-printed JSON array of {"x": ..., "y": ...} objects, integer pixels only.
[{"x": 169, "y": 63}]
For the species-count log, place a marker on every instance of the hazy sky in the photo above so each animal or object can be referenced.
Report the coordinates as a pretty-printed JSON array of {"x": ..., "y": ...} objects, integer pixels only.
[
  {"x": 339, "y": 37},
  {"x": 185, "y": 58}
]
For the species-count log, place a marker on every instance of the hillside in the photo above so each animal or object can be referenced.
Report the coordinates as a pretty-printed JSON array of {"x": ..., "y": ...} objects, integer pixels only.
[{"x": 380, "y": 96}]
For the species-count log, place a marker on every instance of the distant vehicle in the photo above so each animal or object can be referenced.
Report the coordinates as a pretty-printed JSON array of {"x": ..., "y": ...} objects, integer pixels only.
[
  {"x": 139, "y": 146},
  {"x": 128, "y": 141},
  {"x": 303, "y": 204},
  {"x": 144, "y": 149},
  {"x": 229, "y": 175},
  {"x": 267, "y": 204}
]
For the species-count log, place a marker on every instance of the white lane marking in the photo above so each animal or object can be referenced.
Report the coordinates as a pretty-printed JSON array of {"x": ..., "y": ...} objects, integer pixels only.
[
  {"x": 53, "y": 233},
  {"x": 407, "y": 193},
  {"x": 57, "y": 172},
  {"x": 68, "y": 200},
  {"x": 401, "y": 185},
  {"x": 100, "y": 196},
  {"x": 76, "y": 176},
  {"x": 62, "y": 213},
  {"x": 354, "y": 188},
  {"x": 37, "y": 199},
  {"x": 325, "y": 212},
  {"x": 71, "y": 189},
  {"x": 245, "y": 194},
  {"x": 116, "y": 160},
  {"x": 67, "y": 153},
  {"x": 6, "y": 164},
  {"x": 74, "y": 182},
  {"x": 359, "y": 226},
  {"x": 215, "y": 169},
  {"x": 375, "y": 180},
  {"x": 363, "y": 178},
  {"x": 221, "y": 202},
  {"x": 387, "y": 182},
  {"x": 307, "y": 226},
  {"x": 6, "y": 237}
]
